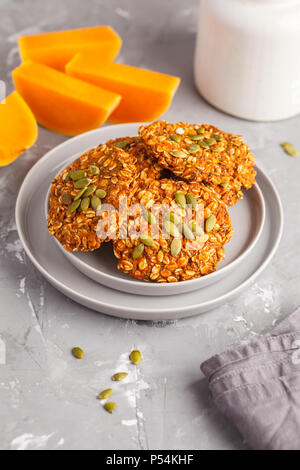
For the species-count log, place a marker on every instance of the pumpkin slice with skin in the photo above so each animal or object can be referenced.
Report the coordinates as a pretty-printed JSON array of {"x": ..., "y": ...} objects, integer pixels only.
[
  {"x": 61, "y": 103},
  {"x": 18, "y": 128},
  {"x": 58, "y": 48},
  {"x": 146, "y": 95}
]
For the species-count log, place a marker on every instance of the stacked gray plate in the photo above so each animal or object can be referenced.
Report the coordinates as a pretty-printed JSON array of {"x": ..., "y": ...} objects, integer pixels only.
[{"x": 93, "y": 279}]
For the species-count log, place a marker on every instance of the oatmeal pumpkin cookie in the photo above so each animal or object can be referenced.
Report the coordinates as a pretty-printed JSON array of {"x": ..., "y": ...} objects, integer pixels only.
[
  {"x": 146, "y": 163},
  {"x": 178, "y": 233},
  {"x": 103, "y": 174},
  {"x": 203, "y": 153}
]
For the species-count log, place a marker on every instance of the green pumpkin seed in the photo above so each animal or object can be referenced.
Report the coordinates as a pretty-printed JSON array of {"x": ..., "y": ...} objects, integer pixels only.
[
  {"x": 187, "y": 232},
  {"x": 135, "y": 356},
  {"x": 85, "y": 204},
  {"x": 101, "y": 193},
  {"x": 83, "y": 183},
  {"x": 95, "y": 203},
  {"x": 89, "y": 191},
  {"x": 179, "y": 131},
  {"x": 218, "y": 137},
  {"x": 151, "y": 219},
  {"x": 173, "y": 218},
  {"x": 110, "y": 406},
  {"x": 74, "y": 206},
  {"x": 138, "y": 251},
  {"x": 66, "y": 199},
  {"x": 105, "y": 394},
  {"x": 210, "y": 141},
  {"x": 194, "y": 148},
  {"x": 76, "y": 175},
  {"x": 78, "y": 353},
  {"x": 176, "y": 247},
  {"x": 201, "y": 130},
  {"x": 147, "y": 241},
  {"x": 119, "y": 376},
  {"x": 172, "y": 229},
  {"x": 196, "y": 137},
  {"x": 79, "y": 194},
  {"x": 204, "y": 145},
  {"x": 210, "y": 223},
  {"x": 94, "y": 170},
  {"x": 217, "y": 149},
  {"x": 121, "y": 144},
  {"x": 191, "y": 201},
  {"x": 178, "y": 154},
  {"x": 180, "y": 199},
  {"x": 289, "y": 149},
  {"x": 175, "y": 138},
  {"x": 196, "y": 229}
]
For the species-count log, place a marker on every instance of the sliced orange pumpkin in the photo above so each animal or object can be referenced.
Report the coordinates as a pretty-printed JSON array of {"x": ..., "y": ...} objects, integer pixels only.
[
  {"x": 18, "y": 128},
  {"x": 61, "y": 103},
  {"x": 146, "y": 95},
  {"x": 57, "y": 49}
]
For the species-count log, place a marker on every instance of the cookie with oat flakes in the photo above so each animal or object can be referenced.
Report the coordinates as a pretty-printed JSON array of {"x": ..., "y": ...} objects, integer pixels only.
[
  {"x": 147, "y": 165},
  {"x": 177, "y": 234},
  {"x": 103, "y": 174},
  {"x": 203, "y": 153}
]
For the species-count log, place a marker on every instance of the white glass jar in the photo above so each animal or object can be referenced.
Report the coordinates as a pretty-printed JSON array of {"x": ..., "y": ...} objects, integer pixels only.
[{"x": 247, "y": 60}]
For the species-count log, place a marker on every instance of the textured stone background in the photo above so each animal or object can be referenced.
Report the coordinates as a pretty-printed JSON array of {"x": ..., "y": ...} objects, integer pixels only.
[{"x": 47, "y": 400}]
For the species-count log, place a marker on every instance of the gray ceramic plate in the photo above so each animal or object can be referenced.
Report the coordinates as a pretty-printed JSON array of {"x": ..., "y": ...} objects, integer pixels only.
[
  {"x": 247, "y": 219},
  {"x": 46, "y": 256}
]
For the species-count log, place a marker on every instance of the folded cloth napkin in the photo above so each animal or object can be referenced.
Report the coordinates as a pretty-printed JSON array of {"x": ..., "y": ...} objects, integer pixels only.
[{"x": 257, "y": 386}]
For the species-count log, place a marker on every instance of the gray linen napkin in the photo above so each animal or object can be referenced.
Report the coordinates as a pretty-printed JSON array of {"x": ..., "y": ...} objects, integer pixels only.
[{"x": 257, "y": 386}]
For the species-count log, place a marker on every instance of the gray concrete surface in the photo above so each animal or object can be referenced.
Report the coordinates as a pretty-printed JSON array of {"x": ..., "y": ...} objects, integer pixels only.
[{"x": 47, "y": 399}]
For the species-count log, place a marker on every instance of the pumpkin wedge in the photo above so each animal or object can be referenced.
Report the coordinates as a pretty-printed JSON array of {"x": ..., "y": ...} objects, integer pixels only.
[
  {"x": 146, "y": 95},
  {"x": 18, "y": 128},
  {"x": 61, "y": 103},
  {"x": 57, "y": 49}
]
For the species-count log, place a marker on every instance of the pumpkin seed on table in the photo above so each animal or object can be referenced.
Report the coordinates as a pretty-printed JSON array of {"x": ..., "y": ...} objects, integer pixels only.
[
  {"x": 95, "y": 203},
  {"x": 119, "y": 376},
  {"x": 110, "y": 406},
  {"x": 146, "y": 240},
  {"x": 79, "y": 194},
  {"x": 135, "y": 356},
  {"x": 204, "y": 145},
  {"x": 74, "y": 206},
  {"x": 66, "y": 198},
  {"x": 94, "y": 170},
  {"x": 176, "y": 247},
  {"x": 121, "y": 144},
  {"x": 172, "y": 229},
  {"x": 194, "y": 148},
  {"x": 101, "y": 193},
  {"x": 82, "y": 183},
  {"x": 191, "y": 201},
  {"x": 78, "y": 353},
  {"x": 201, "y": 130},
  {"x": 175, "y": 138},
  {"x": 289, "y": 149},
  {"x": 217, "y": 149},
  {"x": 180, "y": 199},
  {"x": 89, "y": 191},
  {"x": 76, "y": 175},
  {"x": 85, "y": 204},
  {"x": 210, "y": 223},
  {"x": 178, "y": 154},
  {"x": 218, "y": 137},
  {"x": 105, "y": 394},
  {"x": 138, "y": 251}
]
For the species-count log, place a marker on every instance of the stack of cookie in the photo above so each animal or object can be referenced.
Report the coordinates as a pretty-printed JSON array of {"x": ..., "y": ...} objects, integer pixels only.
[{"x": 177, "y": 181}]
